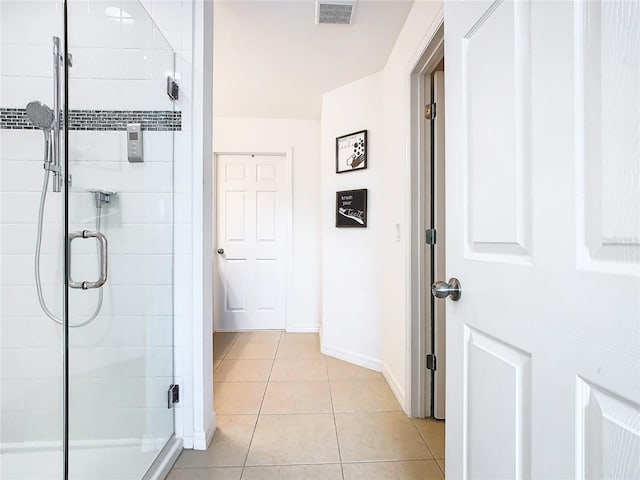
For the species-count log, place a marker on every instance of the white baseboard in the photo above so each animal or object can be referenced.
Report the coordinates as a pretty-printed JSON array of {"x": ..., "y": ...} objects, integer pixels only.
[
  {"x": 187, "y": 442},
  {"x": 396, "y": 388},
  {"x": 304, "y": 328},
  {"x": 199, "y": 441},
  {"x": 202, "y": 440},
  {"x": 296, "y": 328},
  {"x": 237, "y": 330},
  {"x": 361, "y": 360}
]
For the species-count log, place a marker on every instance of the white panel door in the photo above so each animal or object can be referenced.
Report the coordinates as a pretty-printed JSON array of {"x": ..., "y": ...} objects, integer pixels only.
[
  {"x": 543, "y": 232},
  {"x": 252, "y": 206}
]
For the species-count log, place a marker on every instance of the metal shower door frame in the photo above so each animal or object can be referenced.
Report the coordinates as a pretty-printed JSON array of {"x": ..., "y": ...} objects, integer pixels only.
[{"x": 67, "y": 240}]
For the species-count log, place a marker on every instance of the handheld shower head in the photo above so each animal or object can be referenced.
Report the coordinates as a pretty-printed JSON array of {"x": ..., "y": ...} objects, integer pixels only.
[
  {"x": 40, "y": 115},
  {"x": 44, "y": 119}
]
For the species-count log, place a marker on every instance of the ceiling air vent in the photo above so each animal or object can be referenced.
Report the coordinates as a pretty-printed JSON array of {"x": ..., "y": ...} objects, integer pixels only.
[{"x": 335, "y": 12}]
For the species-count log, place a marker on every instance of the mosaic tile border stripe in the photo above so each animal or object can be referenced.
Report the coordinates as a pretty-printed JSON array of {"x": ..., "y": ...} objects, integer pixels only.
[{"x": 100, "y": 120}]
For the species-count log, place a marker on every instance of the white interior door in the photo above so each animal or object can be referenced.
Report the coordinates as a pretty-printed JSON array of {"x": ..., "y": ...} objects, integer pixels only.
[
  {"x": 543, "y": 232},
  {"x": 252, "y": 215}
]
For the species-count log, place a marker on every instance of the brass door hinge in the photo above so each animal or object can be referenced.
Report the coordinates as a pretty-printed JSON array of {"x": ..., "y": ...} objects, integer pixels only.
[{"x": 430, "y": 111}]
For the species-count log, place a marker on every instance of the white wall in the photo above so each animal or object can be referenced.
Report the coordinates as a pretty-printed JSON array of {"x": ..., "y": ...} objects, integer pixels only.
[
  {"x": 366, "y": 272},
  {"x": 420, "y": 25},
  {"x": 263, "y": 135},
  {"x": 351, "y": 260}
]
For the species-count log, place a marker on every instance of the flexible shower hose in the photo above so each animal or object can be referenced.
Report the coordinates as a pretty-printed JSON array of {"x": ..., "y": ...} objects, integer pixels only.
[{"x": 43, "y": 303}]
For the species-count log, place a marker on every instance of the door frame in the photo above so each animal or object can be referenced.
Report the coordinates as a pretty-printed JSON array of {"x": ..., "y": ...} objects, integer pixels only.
[
  {"x": 288, "y": 156},
  {"x": 419, "y": 260}
]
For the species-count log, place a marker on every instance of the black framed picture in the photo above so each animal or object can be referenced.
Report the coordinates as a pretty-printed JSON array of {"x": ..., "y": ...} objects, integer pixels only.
[
  {"x": 351, "y": 209},
  {"x": 351, "y": 152}
]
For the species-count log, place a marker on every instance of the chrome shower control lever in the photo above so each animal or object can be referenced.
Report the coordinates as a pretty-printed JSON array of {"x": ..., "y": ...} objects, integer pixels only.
[{"x": 444, "y": 289}]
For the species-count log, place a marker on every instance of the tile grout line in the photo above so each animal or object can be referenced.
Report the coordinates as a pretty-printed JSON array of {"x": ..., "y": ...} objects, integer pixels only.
[
  {"x": 228, "y": 349},
  {"x": 264, "y": 394},
  {"x": 411, "y": 460},
  {"x": 333, "y": 412},
  {"x": 224, "y": 355},
  {"x": 426, "y": 444}
]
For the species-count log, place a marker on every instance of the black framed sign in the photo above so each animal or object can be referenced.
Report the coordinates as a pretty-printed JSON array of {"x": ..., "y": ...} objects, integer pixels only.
[
  {"x": 351, "y": 152},
  {"x": 351, "y": 208}
]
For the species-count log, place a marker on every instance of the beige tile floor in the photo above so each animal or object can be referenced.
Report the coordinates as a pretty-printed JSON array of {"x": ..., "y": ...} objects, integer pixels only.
[{"x": 287, "y": 412}]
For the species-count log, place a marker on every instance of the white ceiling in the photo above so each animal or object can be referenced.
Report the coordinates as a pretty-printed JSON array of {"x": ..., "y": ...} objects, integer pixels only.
[{"x": 272, "y": 60}]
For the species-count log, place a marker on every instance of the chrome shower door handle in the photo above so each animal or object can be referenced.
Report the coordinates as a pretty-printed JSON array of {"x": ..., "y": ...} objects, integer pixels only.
[{"x": 104, "y": 259}]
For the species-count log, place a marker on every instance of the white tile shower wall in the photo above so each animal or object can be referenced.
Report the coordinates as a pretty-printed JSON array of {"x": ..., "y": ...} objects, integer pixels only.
[
  {"x": 44, "y": 20},
  {"x": 129, "y": 347}
]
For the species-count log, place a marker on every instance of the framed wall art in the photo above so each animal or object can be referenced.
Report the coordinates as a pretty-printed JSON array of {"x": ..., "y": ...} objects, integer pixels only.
[
  {"x": 351, "y": 152},
  {"x": 351, "y": 209}
]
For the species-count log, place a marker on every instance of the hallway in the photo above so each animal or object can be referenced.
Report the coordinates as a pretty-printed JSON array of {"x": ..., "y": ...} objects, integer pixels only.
[{"x": 285, "y": 411}]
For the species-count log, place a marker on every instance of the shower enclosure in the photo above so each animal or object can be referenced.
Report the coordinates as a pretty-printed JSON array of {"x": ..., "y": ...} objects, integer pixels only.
[{"x": 86, "y": 240}]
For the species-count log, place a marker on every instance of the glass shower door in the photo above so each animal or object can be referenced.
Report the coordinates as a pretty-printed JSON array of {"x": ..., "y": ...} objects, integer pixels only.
[
  {"x": 31, "y": 340},
  {"x": 120, "y": 224}
]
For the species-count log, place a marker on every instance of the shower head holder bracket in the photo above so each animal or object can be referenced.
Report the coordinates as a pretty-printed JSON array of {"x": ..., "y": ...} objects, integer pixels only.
[{"x": 101, "y": 196}]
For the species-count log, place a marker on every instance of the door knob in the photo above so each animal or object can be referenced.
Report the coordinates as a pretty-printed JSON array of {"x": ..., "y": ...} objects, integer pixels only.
[
  {"x": 444, "y": 289},
  {"x": 221, "y": 251}
]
